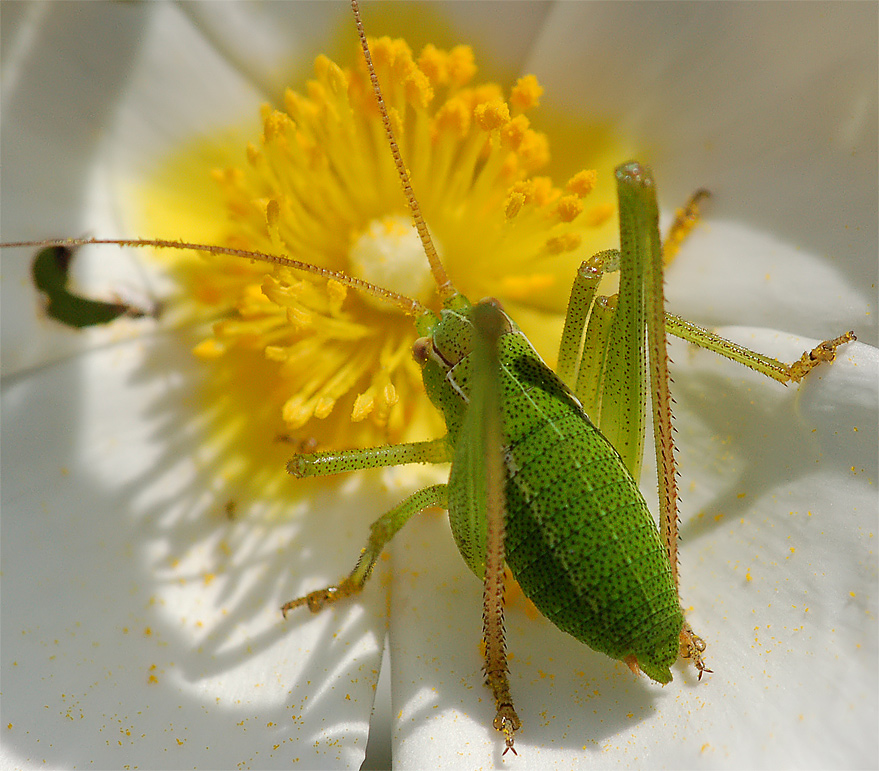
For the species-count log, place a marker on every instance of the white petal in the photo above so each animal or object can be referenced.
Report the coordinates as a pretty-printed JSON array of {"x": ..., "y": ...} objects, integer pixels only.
[
  {"x": 728, "y": 273},
  {"x": 739, "y": 99},
  {"x": 120, "y": 566},
  {"x": 778, "y": 565},
  {"x": 777, "y": 173}
]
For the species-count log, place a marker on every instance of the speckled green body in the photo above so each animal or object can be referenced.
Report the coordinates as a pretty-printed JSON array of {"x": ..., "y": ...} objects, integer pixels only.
[{"x": 580, "y": 539}]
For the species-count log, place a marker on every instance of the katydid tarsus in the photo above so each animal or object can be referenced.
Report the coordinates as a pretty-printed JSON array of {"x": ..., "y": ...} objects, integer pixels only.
[{"x": 535, "y": 483}]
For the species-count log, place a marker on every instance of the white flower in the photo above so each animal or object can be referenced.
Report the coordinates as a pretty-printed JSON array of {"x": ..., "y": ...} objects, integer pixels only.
[{"x": 140, "y": 623}]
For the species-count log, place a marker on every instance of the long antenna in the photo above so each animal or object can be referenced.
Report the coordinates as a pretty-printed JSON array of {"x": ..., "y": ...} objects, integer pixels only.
[
  {"x": 407, "y": 305},
  {"x": 444, "y": 286}
]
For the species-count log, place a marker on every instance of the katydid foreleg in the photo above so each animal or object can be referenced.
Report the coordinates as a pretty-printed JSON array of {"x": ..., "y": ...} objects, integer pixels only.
[
  {"x": 344, "y": 461},
  {"x": 385, "y": 527}
]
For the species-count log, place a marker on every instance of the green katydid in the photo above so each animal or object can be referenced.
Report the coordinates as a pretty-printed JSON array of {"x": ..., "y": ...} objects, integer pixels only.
[
  {"x": 474, "y": 445},
  {"x": 534, "y": 482}
]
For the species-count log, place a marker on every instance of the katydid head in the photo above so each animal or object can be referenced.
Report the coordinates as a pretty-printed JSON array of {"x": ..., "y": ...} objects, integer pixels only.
[{"x": 451, "y": 337}]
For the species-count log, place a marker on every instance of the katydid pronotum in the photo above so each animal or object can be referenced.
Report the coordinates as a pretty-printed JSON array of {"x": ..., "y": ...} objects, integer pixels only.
[{"x": 611, "y": 376}]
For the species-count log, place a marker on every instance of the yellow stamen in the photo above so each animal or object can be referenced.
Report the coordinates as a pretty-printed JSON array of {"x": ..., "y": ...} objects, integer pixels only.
[
  {"x": 526, "y": 94},
  {"x": 334, "y": 367},
  {"x": 583, "y": 182},
  {"x": 492, "y": 115}
]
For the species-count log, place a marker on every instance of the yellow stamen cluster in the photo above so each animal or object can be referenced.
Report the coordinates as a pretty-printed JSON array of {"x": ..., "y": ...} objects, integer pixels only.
[{"x": 320, "y": 187}]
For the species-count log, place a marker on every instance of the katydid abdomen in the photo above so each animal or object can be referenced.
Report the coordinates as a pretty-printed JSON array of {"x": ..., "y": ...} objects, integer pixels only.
[{"x": 580, "y": 539}]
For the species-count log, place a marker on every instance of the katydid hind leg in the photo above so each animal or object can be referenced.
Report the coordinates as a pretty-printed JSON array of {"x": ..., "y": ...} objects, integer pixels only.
[
  {"x": 579, "y": 315},
  {"x": 617, "y": 387},
  {"x": 380, "y": 534},
  {"x": 490, "y": 323},
  {"x": 639, "y": 212},
  {"x": 477, "y": 496}
]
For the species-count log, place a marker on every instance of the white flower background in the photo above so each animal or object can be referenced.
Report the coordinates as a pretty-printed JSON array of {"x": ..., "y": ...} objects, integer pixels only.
[{"x": 118, "y": 650}]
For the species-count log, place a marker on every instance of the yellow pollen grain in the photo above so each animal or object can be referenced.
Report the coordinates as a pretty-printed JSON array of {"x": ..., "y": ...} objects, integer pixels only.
[
  {"x": 363, "y": 405},
  {"x": 336, "y": 292},
  {"x": 454, "y": 117},
  {"x": 296, "y": 412},
  {"x": 514, "y": 203},
  {"x": 382, "y": 49},
  {"x": 397, "y": 124},
  {"x": 210, "y": 348},
  {"x": 317, "y": 93},
  {"x": 583, "y": 182},
  {"x": 299, "y": 318},
  {"x": 419, "y": 92},
  {"x": 335, "y": 78},
  {"x": 299, "y": 108},
  {"x": 484, "y": 92},
  {"x": 273, "y": 217},
  {"x": 322, "y": 64},
  {"x": 542, "y": 191},
  {"x": 569, "y": 208},
  {"x": 389, "y": 394},
  {"x": 434, "y": 63},
  {"x": 567, "y": 242},
  {"x": 324, "y": 407},
  {"x": 275, "y": 125},
  {"x": 513, "y": 133},
  {"x": 525, "y": 188},
  {"x": 492, "y": 115},
  {"x": 534, "y": 150},
  {"x": 461, "y": 65},
  {"x": 526, "y": 94},
  {"x": 598, "y": 215}
]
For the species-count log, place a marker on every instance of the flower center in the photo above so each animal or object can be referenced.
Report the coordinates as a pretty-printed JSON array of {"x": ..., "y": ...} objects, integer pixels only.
[
  {"x": 334, "y": 367},
  {"x": 389, "y": 254}
]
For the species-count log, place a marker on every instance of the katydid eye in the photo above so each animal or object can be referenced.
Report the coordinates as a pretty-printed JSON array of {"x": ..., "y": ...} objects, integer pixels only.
[{"x": 421, "y": 349}]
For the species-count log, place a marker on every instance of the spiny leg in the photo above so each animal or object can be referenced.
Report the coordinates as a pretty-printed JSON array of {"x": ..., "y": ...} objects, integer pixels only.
[
  {"x": 824, "y": 352},
  {"x": 612, "y": 381},
  {"x": 343, "y": 461},
  {"x": 384, "y": 528},
  {"x": 380, "y": 533},
  {"x": 692, "y": 647},
  {"x": 593, "y": 373},
  {"x": 684, "y": 222},
  {"x": 638, "y": 195},
  {"x": 640, "y": 214},
  {"x": 484, "y": 430}
]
